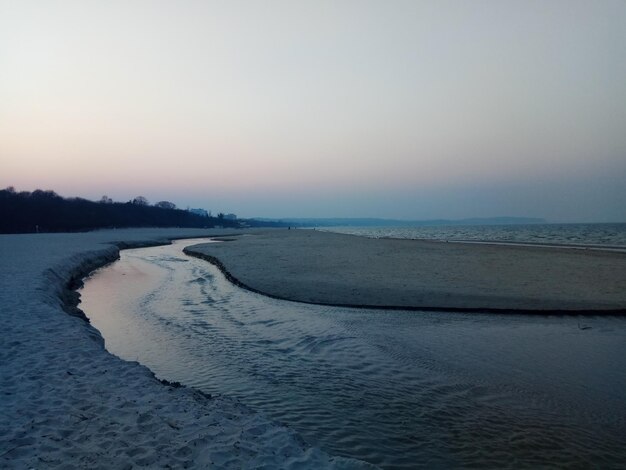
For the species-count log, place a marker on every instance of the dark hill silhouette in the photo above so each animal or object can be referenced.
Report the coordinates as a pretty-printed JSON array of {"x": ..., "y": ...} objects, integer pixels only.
[
  {"x": 373, "y": 222},
  {"x": 46, "y": 211}
]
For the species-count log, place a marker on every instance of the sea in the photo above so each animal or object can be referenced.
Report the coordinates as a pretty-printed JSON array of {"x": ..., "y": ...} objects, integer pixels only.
[
  {"x": 606, "y": 236},
  {"x": 398, "y": 389}
]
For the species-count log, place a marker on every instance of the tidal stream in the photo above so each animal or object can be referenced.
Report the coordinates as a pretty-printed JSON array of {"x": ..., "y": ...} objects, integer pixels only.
[{"x": 397, "y": 389}]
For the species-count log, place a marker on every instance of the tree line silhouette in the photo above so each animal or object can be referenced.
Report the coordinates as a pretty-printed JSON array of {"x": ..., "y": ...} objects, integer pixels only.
[{"x": 46, "y": 211}]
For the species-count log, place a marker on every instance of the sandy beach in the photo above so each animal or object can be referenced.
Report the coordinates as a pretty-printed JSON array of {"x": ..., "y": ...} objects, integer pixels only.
[
  {"x": 328, "y": 268},
  {"x": 68, "y": 403}
]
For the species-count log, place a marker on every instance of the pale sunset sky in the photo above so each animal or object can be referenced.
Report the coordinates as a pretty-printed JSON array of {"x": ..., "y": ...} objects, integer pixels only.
[{"x": 395, "y": 109}]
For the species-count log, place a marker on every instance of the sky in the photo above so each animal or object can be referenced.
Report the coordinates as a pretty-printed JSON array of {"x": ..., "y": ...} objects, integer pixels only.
[{"x": 393, "y": 109}]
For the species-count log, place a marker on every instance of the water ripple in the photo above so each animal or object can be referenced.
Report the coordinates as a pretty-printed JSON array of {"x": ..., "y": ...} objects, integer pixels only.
[{"x": 398, "y": 389}]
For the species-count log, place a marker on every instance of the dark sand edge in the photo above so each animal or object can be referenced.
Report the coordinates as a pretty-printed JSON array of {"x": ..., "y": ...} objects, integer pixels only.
[{"x": 588, "y": 312}]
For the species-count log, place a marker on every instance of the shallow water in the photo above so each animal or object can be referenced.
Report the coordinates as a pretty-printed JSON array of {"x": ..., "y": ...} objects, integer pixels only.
[{"x": 398, "y": 389}]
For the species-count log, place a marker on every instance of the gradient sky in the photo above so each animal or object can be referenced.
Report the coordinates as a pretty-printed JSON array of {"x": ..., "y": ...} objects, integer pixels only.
[{"x": 398, "y": 109}]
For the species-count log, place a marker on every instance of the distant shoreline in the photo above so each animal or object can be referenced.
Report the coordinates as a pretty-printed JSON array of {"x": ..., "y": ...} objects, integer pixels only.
[{"x": 326, "y": 268}]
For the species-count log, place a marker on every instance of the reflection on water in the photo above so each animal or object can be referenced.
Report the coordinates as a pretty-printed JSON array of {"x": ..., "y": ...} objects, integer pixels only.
[{"x": 398, "y": 389}]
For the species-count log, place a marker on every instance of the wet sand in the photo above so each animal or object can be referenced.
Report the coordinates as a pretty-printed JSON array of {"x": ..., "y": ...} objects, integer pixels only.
[{"x": 336, "y": 269}]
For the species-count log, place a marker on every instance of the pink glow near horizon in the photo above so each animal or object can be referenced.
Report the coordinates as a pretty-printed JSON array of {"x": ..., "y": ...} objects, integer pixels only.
[{"x": 410, "y": 111}]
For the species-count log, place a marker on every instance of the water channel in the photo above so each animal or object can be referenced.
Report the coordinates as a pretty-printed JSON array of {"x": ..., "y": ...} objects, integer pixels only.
[{"x": 397, "y": 389}]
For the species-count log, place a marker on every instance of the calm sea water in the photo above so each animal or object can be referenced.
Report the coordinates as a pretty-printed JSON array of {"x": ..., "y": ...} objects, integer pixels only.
[
  {"x": 398, "y": 389},
  {"x": 600, "y": 235}
]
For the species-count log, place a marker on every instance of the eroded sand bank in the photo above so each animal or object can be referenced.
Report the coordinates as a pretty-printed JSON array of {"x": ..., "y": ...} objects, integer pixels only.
[
  {"x": 329, "y": 268},
  {"x": 66, "y": 402}
]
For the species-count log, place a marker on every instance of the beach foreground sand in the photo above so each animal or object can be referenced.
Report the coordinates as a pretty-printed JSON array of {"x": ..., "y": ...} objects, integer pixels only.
[
  {"x": 328, "y": 268},
  {"x": 67, "y": 403}
]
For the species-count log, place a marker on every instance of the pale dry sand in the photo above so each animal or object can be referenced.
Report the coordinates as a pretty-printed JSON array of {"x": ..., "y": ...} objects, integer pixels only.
[
  {"x": 328, "y": 268},
  {"x": 67, "y": 403}
]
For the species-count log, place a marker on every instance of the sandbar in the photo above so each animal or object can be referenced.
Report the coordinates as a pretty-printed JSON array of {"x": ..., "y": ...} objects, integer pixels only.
[{"x": 336, "y": 269}]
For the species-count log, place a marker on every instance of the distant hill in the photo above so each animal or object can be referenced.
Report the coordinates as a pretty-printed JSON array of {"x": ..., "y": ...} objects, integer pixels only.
[
  {"x": 46, "y": 211},
  {"x": 373, "y": 222}
]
